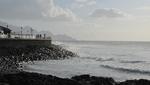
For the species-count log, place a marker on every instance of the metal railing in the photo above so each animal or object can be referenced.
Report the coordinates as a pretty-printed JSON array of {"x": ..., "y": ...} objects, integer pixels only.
[
  {"x": 3, "y": 36},
  {"x": 24, "y": 36}
]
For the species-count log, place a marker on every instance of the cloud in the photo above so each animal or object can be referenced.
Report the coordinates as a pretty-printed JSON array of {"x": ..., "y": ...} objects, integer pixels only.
[
  {"x": 146, "y": 8},
  {"x": 52, "y": 11},
  {"x": 83, "y": 3},
  {"x": 35, "y": 9},
  {"x": 107, "y": 13},
  {"x": 19, "y": 9},
  {"x": 81, "y": 0},
  {"x": 91, "y": 3}
]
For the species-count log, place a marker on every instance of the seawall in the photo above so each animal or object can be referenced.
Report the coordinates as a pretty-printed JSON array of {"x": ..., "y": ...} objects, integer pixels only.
[
  {"x": 21, "y": 43},
  {"x": 24, "y": 42}
]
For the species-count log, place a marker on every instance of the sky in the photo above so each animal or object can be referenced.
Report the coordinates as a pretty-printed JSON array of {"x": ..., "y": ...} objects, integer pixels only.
[{"x": 121, "y": 20}]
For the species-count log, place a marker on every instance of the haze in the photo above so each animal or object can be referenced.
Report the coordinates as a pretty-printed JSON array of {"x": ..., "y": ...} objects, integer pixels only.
[{"x": 122, "y": 20}]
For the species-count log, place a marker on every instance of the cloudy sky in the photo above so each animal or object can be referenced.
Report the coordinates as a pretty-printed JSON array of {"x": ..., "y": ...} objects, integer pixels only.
[{"x": 82, "y": 19}]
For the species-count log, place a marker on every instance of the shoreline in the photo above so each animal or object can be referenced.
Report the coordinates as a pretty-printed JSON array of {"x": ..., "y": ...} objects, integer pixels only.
[
  {"x": 67, "y": 73},
  {"x": 11, "y": 75},
  {"x": 31, "y": 78}
]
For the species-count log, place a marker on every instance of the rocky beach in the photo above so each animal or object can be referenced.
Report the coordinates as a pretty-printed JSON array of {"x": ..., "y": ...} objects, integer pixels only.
[
  {"x": 26, "y": 78},
  {"x": 11, "y": 74},
  {"x": 14, "y": 56}
]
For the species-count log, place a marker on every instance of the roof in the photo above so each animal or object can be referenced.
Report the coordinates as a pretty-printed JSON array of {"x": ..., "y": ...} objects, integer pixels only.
[{"x": 5, "y": 29}]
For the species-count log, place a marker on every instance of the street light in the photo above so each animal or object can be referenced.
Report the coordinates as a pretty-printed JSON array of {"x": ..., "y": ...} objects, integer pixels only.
[
  {"x": 31, "y": 30},
  {"x": 21, "y": 31}
]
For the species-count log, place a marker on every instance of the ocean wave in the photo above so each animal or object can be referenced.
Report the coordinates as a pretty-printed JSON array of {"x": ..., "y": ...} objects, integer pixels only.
[
  {"x": 103, "y": 60},
  {"x": 132, "y": 62},
  {"x": 92, "y": 58},
  {"x": 127, "y": 70},
  {"x": 98, "y": 59}
]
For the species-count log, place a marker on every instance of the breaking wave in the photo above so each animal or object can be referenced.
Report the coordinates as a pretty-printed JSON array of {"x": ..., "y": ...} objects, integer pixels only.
[
  {"x": 103, "y": 60},
  {"x": 92, "y": 58},
  {"x": 98, "y": 59},
  {"x": 127, "y": 70},
  {"x": 132, "y": 62}
]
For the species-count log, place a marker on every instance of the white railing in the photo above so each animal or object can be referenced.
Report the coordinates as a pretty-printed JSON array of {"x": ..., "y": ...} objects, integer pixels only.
[
  {"x": 3, "y": 36},
  {"x": 22, "y": 36}
]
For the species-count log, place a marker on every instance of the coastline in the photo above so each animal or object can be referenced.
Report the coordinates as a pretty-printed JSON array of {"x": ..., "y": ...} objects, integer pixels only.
[
  {"x": 11, "y": 75},
  {"x": 28, "y": 78}
]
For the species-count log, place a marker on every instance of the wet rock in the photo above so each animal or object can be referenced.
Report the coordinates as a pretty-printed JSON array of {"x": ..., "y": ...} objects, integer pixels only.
[
  {"x": 91, "y": 80},
  {"x": 135, "y": 82},
  {"x": 31, "y": 53},
  {"x": 4, "y": 84},
  {"x": 24, "y": 78}
]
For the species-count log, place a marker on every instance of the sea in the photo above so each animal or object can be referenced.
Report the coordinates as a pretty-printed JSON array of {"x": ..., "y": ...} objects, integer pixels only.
[{"x": 121, "y": 60}]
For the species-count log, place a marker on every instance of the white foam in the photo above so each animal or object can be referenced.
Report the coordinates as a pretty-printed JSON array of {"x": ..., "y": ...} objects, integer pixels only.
[{"x": 93, "y": 58}]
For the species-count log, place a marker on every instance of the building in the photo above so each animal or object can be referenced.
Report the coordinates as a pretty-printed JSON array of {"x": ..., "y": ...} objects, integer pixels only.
[{"x": 5, "y": 30}]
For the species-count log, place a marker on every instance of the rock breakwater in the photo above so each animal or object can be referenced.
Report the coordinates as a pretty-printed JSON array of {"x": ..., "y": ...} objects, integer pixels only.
[{"x": 10, "y": 62}]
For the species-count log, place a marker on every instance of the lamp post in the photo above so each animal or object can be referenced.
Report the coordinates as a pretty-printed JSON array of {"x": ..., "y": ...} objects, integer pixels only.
[
  {"x": 21, "y": 31},
  {"x": 8, "y": 34},
  {"x": 31, "y": 30}
]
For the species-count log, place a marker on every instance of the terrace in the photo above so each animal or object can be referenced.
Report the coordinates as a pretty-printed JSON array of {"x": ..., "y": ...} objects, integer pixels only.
[{"x": 6, "y": 33}]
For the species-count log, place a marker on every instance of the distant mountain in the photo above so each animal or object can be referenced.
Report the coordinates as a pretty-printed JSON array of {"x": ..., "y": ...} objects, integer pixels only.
[
  {"x": 17, "y": 29},
  {"x": 3, "y": 24},
  {"x": 63, "y": 38},
  {"x": 48, "y": 33},
  {"x": 27, "y": 30}
]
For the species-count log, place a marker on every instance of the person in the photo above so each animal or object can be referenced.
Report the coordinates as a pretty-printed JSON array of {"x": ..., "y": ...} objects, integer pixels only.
[
  {"x": 1, "y": 34},
  {"x": 44, "y": 36},
  {"x": 9, "y": 36},
  {"x": 40, "y": 36}
]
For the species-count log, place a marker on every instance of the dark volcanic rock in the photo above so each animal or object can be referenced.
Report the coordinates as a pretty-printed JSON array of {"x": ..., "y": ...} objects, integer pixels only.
[
  {"x": 16, "y": 55},
  {"x": 92, "y": 80},
  {"x": 87, "y": 80},
  {"x": 24, "y": 78},
  {"x": 38, "y": 53},
  {"x": 135, "y": 82}
]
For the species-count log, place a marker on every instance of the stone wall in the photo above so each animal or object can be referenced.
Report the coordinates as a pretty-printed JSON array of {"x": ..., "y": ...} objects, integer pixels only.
[
  {"x": 24, "y": 42},
  {"x": 21, "y": 43}
]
